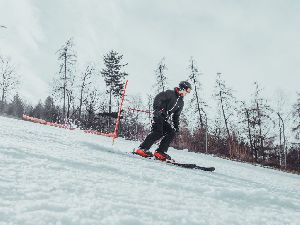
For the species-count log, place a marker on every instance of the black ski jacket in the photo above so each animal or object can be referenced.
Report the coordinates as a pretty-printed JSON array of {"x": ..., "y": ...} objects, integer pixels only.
[{"x": 168, "y": 103}]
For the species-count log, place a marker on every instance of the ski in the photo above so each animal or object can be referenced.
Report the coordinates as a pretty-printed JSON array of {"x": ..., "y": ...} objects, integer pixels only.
[
  {"x": 191, "y": 166},
  {"x": 183, "y": 165}
]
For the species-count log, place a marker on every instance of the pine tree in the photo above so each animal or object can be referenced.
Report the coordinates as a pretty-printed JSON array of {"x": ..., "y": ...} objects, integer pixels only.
[
  {"x": 113, "y": 75},
  {"x": 50, "y": 112},
  {"x": 16, "y": 107},
  {"x": 38, "y": 110}
]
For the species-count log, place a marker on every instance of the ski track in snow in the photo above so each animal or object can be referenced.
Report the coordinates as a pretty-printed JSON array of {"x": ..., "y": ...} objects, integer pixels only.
[{"x": 55, "y": 176}]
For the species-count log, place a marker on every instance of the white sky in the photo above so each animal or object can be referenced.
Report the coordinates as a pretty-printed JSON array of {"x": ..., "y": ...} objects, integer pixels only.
[{"x": 245, "y": 40}]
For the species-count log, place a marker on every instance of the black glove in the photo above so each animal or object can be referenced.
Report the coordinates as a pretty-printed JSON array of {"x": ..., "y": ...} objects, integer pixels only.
[{"x": 176, "y": 129}]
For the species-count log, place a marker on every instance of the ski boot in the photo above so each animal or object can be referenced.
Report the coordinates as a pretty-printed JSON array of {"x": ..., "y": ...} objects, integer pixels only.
[
  {"x": 143, "y": 152},
  {"x": 162, "y": 156}
]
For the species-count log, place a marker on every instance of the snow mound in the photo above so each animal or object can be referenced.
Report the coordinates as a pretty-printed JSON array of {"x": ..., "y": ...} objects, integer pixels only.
[{"x": 55, "y": 176}]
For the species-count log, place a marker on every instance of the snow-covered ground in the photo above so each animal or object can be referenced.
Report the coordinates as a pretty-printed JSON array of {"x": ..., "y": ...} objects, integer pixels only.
[{"x": 55, "y": 176}]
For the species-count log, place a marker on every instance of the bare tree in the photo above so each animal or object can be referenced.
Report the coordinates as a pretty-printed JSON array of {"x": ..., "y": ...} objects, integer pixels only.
[
  {"x": 91, "y": 107},
  {"x": 225, "y": 100},
  {"x": 84, "y": 86},
  {"x": 282, "y": 145},
  {"x": 261, "y": 122},
  {"x": 283, "y": 118},
  {"x": 8, "y": 79},
  {"x": 135, "y": 123},
  {"x": 161, "y": 79},
  {"x": 194, "y": 77},
  {"x": 296, "y": 115},
  {"x": 245, "y": 115},
  {"x": 136, "y": 118},
  {"x": 67, "y": 59},
  {"x": 150, "y": 105}
]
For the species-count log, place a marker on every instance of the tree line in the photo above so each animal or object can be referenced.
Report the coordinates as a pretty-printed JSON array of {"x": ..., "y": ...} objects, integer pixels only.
[{"x": 250, "y": 131}]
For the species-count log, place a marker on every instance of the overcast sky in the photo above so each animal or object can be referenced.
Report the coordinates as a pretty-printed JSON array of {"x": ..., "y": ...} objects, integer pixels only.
[{"x": 245, "y": 40}]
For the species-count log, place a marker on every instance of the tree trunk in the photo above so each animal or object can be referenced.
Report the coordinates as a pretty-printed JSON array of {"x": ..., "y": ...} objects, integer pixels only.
[
  {"x": 298, "y": 158},
  {"x": 109, "y": 106},
  {"x": 80, "y": 105},
  {"x": 2, "y": 100},
  {"x": 226, "y": 124},
  {"x": 197, "y": 97},
  {"x": 260, "y": 132},
  {"x": 3, "y": 96},
  {"x": 68, "y": 106},
  {"x": 81, "y": 100},
  {"x": 280, "y": 145},
  {"x": 65, "y": 84},
  {"x": 249, "y": 133},
  {"x": 161, "y": 77},
  {"x": 198, "y": 108},
  {"x": 284, "y": 139}
]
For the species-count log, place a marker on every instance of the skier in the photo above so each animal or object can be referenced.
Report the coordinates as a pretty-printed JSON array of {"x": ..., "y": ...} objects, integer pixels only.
[{"x": 167, "y": 104}]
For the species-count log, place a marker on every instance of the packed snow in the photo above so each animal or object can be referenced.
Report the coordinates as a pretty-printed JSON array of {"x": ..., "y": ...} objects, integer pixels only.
[{"x": 55, "y": 176}]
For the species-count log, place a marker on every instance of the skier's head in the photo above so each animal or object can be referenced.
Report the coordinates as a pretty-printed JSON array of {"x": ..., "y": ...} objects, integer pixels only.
[{"x": 184, "y": 88}]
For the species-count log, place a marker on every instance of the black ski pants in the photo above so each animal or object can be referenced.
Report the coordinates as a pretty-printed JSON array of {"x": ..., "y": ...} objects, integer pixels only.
[{"x": 160, "y": 128}]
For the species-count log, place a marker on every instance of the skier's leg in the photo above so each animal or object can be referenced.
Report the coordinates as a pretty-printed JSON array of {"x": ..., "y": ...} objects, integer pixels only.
[
  {"x": 156, "y": 133},
  {"x": 169, "y": 135}
]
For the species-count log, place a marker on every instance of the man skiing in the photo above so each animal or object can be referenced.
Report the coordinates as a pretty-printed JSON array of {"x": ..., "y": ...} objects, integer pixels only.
[{"x": 167, "y": 104}]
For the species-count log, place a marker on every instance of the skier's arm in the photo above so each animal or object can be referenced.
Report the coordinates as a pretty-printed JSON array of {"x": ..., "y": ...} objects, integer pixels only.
[
  {"x": 158, "y": 104},
  {"x": 175, "y": 118}
]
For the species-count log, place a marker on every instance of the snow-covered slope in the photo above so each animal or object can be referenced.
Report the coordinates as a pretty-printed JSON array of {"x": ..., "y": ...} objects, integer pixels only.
[{"x": 55, "y": 176}]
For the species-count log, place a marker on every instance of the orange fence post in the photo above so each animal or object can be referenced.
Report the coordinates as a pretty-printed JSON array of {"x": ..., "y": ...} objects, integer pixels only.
[{"x": 119, "y": 113}]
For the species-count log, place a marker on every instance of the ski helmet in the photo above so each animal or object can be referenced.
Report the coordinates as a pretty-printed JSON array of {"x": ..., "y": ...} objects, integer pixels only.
[{"x": 184, "y": 85}]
